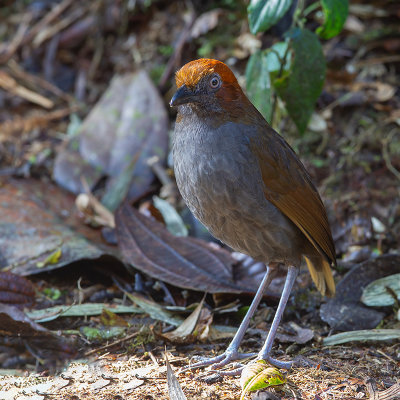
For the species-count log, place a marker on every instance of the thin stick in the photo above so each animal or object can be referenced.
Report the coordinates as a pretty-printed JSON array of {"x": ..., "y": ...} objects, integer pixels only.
[
  {"x": 274, "y": 102},
  {"x": 9, "y": 84},
  {"x": 17, "y": 39},
  {"x": 183, "y": 37},
  {"x": 47, "y": 19},
  {"x": 19, "y": 72},
  {"x": 386, "y": 155},
  {"x": 107, "y": 346}
]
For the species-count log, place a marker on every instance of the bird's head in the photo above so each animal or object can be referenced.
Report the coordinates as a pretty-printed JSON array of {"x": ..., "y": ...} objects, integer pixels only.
[{"x": 208, "y": 84}]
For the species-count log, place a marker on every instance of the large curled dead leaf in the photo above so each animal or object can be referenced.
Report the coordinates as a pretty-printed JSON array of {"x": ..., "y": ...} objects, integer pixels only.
[
  {"x": 181, "y": 261},
  {"x": 40, "y": 229},
  {"x": 129, "y": 120},
  {"x": 345, "y": 311}
]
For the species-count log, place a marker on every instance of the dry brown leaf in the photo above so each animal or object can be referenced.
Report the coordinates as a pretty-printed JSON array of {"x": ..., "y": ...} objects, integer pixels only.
[
  {"x": 354, "y": 24},
  {"x": 126, "y": 127},
  {"x": 303, "y": 335},
  {"x": 29, "y": 123},
  {"x": 376, "y": 91},
  {"x": 195, "y": 327},
  {"x": 95, "y": 213},
  {"x": 181, "y": 261},
  {"x": 205, "y": 22},
  {"x": 39, "y": 220}
]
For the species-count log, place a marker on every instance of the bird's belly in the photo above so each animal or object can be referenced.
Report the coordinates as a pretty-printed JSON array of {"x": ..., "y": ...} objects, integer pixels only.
[{"x": 226, "y": 195}]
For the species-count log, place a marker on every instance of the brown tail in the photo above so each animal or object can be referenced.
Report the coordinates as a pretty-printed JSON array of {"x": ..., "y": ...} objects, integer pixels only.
[{"x": 321, "y": 274}]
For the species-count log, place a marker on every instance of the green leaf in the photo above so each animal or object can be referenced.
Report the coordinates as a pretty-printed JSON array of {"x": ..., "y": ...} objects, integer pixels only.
[
  {"x": 154, "y": 309},
  {"x": 259, "y": 375},
  {"x": 118, "y": 186},
  {"x": 78, "y": 310},
  {"x": 362, "y": 336},
  {"x": 335, "y": 12},
  {"x": 250, "y": 371},
  {"x": 258, "y": 83},
  {"x": 109, "y": 318},
  {"x": 261, "y": 68},
  {"x": 52, "y": 293},
  {"x": 73, "y": 126},
  {"x": 382, "y": 292},
  {"x": 172, "y": 219},
  {"x": 53, "y": 258},
  {"x": 274, "y": 58},
  {"x": 301, "y": 88},
  {"x": 263, "y": 14},
  {"x": 102, "y": 333}
]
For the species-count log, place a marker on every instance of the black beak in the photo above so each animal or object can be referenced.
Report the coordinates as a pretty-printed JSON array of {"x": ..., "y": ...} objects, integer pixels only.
[{"x": 182, "y": 96}]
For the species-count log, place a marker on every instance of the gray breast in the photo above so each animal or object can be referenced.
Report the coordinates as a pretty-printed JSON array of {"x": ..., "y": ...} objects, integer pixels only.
[{"x": 220, "y": 180}]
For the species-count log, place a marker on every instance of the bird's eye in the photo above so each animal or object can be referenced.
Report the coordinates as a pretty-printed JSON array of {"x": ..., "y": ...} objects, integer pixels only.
[{"x": 215, "y": 82}]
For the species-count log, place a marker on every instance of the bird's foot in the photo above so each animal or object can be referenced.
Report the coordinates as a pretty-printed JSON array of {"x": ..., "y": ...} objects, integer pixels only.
[
  {"x": 276, "y": 363},
  {"x": 220, "y": 361},
  {"x": 237, "y": 371}
]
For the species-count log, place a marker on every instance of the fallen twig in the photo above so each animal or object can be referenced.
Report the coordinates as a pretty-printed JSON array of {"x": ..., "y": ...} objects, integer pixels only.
[
  {"x": 36, "y": 121},
  {"x": 47, "y": 19},
  {"x": 14, "y": 44},
  {"x": 10, "y": 84},
  {"x": 183, "y": 37},
  {"x": 386, "y": 155},
  {"x": 49, "y": 32},
  {"x": 20, "y": 73},
  {"x": 107, "y": 346}
]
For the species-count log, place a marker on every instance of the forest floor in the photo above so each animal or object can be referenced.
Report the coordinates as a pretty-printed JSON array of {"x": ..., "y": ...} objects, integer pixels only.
[{"x": 83, "y": 318}]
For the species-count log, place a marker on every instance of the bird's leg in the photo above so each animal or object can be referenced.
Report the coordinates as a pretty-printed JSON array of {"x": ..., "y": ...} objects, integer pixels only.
[
  {"x": 264, "y": 354},
  {"x": 231, "y": 353}
]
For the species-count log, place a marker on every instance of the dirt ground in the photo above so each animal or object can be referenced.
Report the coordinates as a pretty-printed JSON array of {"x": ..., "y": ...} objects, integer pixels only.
[
  {"x": 57, "y": 58},
  {"x": 343, "y": 372}
]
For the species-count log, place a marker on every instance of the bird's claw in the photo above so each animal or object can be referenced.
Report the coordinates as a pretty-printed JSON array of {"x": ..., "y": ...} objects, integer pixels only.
[
  {"x": 277, "y": 363},
  {"x": 233, "y": 372},
  {"x": 220, "y": 361}
]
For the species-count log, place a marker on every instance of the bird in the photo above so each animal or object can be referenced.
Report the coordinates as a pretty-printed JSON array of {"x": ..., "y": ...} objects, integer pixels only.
[{"x": 244, "y": 182}]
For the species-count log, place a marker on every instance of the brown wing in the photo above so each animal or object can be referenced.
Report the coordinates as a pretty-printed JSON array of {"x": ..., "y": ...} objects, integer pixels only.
[{"x": 289, "y": 187}]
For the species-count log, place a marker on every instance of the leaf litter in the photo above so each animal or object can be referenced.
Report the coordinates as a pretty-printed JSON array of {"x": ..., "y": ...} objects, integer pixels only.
[{"x": 351, "y": 151}]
